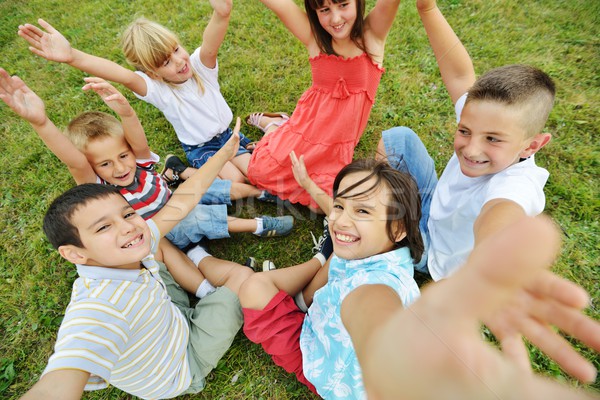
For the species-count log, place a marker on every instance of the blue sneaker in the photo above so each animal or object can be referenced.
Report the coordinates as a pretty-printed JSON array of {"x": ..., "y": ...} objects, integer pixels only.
[
  {"x": 324, "y": 244},
  {"x": 276, "y": 226}
]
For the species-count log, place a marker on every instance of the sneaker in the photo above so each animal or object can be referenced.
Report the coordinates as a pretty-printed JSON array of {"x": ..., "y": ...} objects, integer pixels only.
[
  {"x": 268, "y": 265},
  {"x": 251, "y": 263},
  {"x": 276, "y": 226},
  {"x": 267, "y": 197},
  {"x": 324, "y": 244}
]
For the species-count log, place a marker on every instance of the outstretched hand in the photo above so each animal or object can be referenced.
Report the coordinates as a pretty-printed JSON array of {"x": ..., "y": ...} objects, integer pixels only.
[
  {"x": 22, "y": 100},
  {"x": 110, "y": 95},
  {"x": 437, "y": 339},
  {"x": 548, "y": 301},
  {"x": 49, "y": 44},
  {"x": 299, "y": 170}
]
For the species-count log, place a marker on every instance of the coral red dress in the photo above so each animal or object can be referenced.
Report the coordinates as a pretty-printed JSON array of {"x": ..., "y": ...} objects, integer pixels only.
[{"x": 325, "y": 127}]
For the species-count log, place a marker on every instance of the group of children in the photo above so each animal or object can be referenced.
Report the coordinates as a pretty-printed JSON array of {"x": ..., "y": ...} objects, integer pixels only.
[{"x": 349, "y": 321}]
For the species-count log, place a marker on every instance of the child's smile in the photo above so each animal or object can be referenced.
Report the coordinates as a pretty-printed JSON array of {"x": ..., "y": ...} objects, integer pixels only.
[
  {"x": 358, "y": 225},
  {"x": 112, "y": 233}
]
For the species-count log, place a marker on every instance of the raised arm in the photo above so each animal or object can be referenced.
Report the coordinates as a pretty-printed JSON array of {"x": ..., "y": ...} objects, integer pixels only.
[
  {"x": 295, "y": 19},
  {"x": 53, "y": 46},
  {"x": 301, "y": 175},
  {"x": 132, "y": 127},
  {"x": 64, "y": 384},
  {"x": 215, "y": 31},
  {"x": 437, "y": 339},
  {"x": 380, "y": 19},
  {"x": 26, "y": 104},
  {"x": 453, "y": 60},
  {"x": 188, "y": 194}
]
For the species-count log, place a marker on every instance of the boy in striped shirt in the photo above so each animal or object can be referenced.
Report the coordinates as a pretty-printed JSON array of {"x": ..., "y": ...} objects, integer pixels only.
[{"x": 128, "y": 323}]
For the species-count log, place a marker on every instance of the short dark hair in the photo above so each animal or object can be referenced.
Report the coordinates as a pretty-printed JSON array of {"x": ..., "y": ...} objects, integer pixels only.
[
  {"x": 324, "y": 40},
  {"x": 404, "y": 206},
  {"x": 518, "y": 85},
  {"x": 58, "y": 227}
]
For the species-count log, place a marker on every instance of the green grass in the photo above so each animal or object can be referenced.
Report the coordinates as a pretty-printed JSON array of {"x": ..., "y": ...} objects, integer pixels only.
[{"x": 263, "y": 68}]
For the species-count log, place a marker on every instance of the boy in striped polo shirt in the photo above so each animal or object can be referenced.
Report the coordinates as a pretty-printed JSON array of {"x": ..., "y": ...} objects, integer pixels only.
[{"x": 128, "y": 323}]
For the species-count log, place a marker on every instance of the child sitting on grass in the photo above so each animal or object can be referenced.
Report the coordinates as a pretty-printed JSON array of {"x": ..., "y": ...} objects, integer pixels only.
[
  {"x": 374, "y": 225},
  {"x": 183, "y": 86},
  {"x": 128, "y": 323},
  {"x": 99, "y": 149},
  {"x": 492, "y": 179}
]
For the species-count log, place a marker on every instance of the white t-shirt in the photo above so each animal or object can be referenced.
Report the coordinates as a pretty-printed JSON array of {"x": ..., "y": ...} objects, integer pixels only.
[
  {"x": 458, "y": 199},
  {"x": 196, "y": 117}
]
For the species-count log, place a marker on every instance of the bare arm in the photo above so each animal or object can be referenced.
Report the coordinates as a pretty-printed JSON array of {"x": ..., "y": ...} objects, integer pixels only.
[
  {"x": 453, "y": 60},
  {"x": 301, "y": 175},
  {"x": 188, "y": 194},
  {"x": 64, "y": 384},
  {"x": 53, "y": 46},
  {"x": 295, "y": 19},
  {"x": 364, "y": 310},
  {"x": 380, "y": 19},
  {"x": 132, "y": 127},
  {"x": 215, "y": 31},
  {"x": 26, "y": 104},
  {"x": 496, "y": 215}
]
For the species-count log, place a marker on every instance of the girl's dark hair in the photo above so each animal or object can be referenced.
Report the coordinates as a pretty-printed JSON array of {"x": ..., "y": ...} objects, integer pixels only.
[
  {"x": 404, "y": 206},
  {"x": 323, "y": 38},
  {"x": 58, "y": 227}
]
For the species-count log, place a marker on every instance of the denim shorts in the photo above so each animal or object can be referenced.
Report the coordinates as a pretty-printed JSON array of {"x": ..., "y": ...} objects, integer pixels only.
[
  {"x": 219, "y": 192},
  {"x": 204, "y": 221},
  {"x": 198, "y": 155},
  {"x": 405, "y": 152}
]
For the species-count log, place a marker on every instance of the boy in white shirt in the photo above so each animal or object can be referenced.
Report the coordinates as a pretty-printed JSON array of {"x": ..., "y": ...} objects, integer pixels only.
[{"x": 492, "y": 179}]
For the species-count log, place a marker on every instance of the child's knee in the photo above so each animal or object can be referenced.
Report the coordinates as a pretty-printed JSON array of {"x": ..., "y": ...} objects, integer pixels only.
[{"x": 253, "y": 288}]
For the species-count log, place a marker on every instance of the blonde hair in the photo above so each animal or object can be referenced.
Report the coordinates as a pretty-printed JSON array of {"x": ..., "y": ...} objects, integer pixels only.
[
  {"x": 92, "y": 125},
  {"x": 147, "y": 45},
  {"x": 522, "y": 87}
]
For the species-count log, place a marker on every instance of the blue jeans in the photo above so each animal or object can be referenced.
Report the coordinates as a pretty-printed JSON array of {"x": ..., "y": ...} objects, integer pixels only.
[
  {"x": 406, "y": 153},
  {"x": 204, "y": 221},
  {"x": 198, "y": 155},
  {"x": 207, "y": 220},
  {"x": 219, "y": 192}
]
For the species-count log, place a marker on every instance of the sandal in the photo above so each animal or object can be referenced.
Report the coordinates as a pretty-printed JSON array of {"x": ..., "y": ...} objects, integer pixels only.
[
  {"x": 254, "y": 120},
  {"x": 173, "y": 163}
]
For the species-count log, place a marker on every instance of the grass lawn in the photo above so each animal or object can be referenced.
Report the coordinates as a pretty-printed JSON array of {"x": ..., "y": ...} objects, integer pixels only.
[{"x": 263, "y": 68}]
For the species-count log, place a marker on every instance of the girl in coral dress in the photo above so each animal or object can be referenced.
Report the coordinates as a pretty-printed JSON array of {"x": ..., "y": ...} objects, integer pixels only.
[{"x": 346, "y": 55}]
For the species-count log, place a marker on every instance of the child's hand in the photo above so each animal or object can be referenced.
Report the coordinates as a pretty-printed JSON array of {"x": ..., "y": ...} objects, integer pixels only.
[
  {"x": 50, "y": 44},
  {"x": 299, "y": 170},
  {"x": 222, "y": 7},
  {"x": 111, "y": 96},
  {"x": 233, "y": 144},
  {"x": 425, "y": 5},
  {"x": 22, "y": 100}
]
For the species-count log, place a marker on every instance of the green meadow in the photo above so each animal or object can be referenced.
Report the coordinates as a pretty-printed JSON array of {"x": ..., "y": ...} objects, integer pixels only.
[{"x": 264, "y": 68}]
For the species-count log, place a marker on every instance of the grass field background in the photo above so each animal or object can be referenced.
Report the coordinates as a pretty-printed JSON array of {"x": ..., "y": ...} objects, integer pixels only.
[{"x": 263, "y": 68}]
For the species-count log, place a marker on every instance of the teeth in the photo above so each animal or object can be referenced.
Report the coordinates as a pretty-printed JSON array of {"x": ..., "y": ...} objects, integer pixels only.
[
  {"x": 345, "y": 238},
  {"x": 133, "y": 242}
]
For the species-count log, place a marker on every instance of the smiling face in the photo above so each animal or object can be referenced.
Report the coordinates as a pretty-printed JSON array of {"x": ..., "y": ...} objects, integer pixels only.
[
  {"x": 490, "y": 138},
  {"x": 112, "y": 159},
  {"x": 358, "y": 221},
  {"x": 337, "y": 18},
  {"x": 112, "y": 234},
  {"x": 176, "y": 68}
]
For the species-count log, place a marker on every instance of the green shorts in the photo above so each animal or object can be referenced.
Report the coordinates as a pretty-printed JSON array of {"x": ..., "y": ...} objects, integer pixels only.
[{"x": 213, "y": 322}]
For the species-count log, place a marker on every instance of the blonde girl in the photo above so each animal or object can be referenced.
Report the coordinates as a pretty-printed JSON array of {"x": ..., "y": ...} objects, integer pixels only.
[{"x": 183, "y": 86}]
